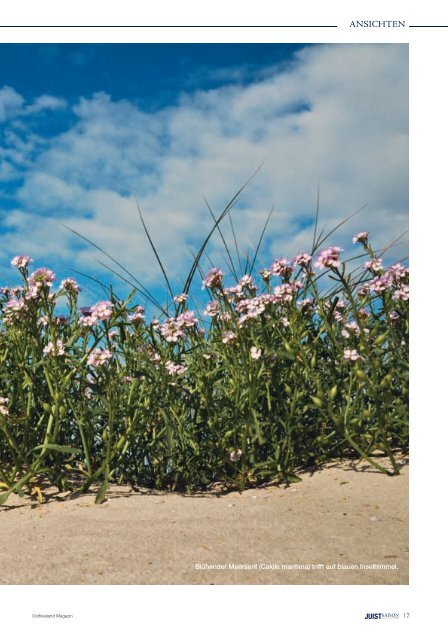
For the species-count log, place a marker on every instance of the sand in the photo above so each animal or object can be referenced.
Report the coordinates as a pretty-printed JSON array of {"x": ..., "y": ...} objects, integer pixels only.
[{"x": 331, "y": 528}]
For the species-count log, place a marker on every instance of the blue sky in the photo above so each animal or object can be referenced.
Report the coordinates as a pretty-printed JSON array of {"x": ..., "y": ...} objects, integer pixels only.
[{"x": 85, "y": 129}]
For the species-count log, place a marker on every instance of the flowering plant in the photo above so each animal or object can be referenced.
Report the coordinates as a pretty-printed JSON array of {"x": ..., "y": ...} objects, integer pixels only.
[{"x": 268, "y": 376}]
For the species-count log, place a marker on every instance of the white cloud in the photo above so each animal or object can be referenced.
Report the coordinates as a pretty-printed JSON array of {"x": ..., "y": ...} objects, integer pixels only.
[
  {"x": 337, "y": 114},
  {"x": 44, "y": 103},
  {"x": 10, "y": 103}
]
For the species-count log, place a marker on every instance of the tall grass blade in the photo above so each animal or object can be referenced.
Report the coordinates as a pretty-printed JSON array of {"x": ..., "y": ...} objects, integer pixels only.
[
  {"x": 209, "y": 235},
  {"x": 316, "y": 220},
  {"x": 154, "y": 250},
  {"x": 97, "y": 246},
  {"x": 236, "y": 244},
  {"x": 231, "y": 265},
  {"x": 260, "y": 240}
]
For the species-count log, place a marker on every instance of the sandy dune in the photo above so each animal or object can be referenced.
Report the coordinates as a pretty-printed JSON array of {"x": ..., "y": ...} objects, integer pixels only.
[{"x": 308, "y": 533}]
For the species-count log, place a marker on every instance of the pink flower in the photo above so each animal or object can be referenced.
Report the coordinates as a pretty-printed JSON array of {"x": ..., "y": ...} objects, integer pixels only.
[
  {"x": 265, "y": 274},
  {"x": 351, "y": 355},
  {"x": 52, "y": 350},
  {"x": 175, "y": 369},
  {"x": 286, "y": 291},
  {"x": 182, "y": 297},
  {"x": 21, "y": 261},
  {"x": 364, "y": 314},
  {"x": 171, "y": 331},
  {"x": 88, "y": 321},
  {"x": 247, "y": 281},
  {"x": 42, "y": 277},
  {"x": 306, "y": 303},
  {"x": 251, "y": 307},
  {"x": 99, "y": 357},
  {"x": 352, "y": 326},
  {"x": 137, "y": 317},
  {"x": 153, "y": 355},
  {"x": 229, "y": 336},
  {"x": 373, "y": 265},
  {"x": 301, "y": 260},
  {"x": 397, "y": 272},
  {"x": 234, "y": 293},
  {"x": 402, "y": 293},
  {"x": 98, "y": 312},
  {"x": 186, "y": 319},
  {"x": 378, "y": 284},
  {"x": 212, "y": 309},
  {"x": 173, "y": 328},
  {"x": 255, "y": 353},
  {"x": 235, "y": 455},
  {"x": 15, "y": 305},
  {"x": 328, "y": 258},
  {"x": 102, "y": 310},
  {"x": 361, "y": 237},
  {"x": 4, "y": 410},
  {"x": 70, "y": 284},
  {"x": 281, "y": 267},
  {"x": 212, "y": 279}
]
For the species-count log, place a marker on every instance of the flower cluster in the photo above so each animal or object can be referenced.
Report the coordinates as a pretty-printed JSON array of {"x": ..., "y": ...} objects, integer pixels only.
[
  {"x": 138, "y": 316},
  {"x": 21, "y": 262},
  {"x": 213, "y": 279},
  {"x": 329, "y": 258},
  {"x": 255, "y": 353},
  {"x": 351, "y": 355},
  {"x": 361, "y": 237},
  {"x": 99, "y": 357},
  {"x": 394, "y": 278},
  {"x": 281, "y": 267},
  {"x": 229, "y": 336},
  {"x": 175, "y": 369},
  {"x": 99, "y": 312},
  {"x": 275, "y": 373},
  {"x": 4, "y": 411},
  {"x": 174, "y": 329},
  {"x": 54, "y": 349},
  {"x": 70, "y": 284},
  {"x": 13, "y": 310},
  {"x": 301, "y": 260}
]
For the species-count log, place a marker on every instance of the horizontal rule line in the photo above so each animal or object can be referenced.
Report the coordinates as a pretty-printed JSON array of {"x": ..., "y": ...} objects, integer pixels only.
[
  {"x": 169, "y": 26},
  {"x": 428, "y": 26}
]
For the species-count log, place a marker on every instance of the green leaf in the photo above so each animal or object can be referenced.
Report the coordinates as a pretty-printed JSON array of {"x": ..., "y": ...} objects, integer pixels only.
[
  {"x": 381, "y": 339},
  {"x": 59, "y": 448},
  {"x": 291, "y": 477}
]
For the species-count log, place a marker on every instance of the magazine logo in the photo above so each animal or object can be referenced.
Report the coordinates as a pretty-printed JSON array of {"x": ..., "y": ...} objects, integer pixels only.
[{"x": 380, "y": 616}]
